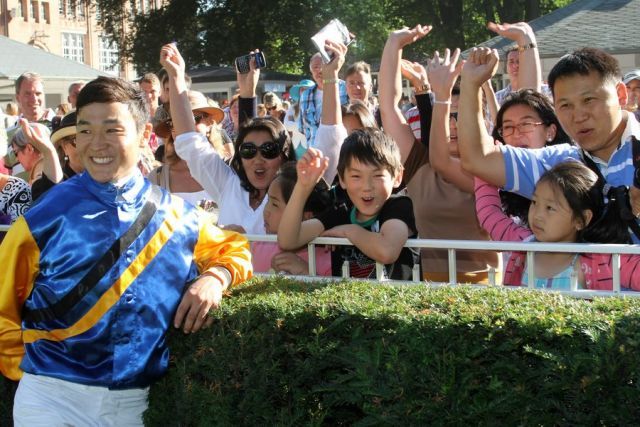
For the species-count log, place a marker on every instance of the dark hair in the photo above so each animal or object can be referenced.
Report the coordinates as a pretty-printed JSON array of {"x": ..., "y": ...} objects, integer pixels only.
[
  {"x": 360, "y": 111},
  {"x": 583, "y": 190},
  {"x": 537, "y": 102},
  {"x": 279, "y": 134},
  {"x": 583, "y": 62},
  {"x": 371, "y": 146},
  {"x": 318, "y": 201},
  {"x": 514, "y": 204},
  {"x": 107, "y": 90}
]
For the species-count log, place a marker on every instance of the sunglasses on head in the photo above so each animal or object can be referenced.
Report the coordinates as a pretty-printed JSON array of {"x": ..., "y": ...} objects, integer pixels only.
[
  {"x": 198, "y": 118},
  {"x": 268, "y": 150}
]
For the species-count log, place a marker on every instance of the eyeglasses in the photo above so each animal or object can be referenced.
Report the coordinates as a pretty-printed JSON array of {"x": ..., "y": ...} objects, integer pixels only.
[
  {"x": 524, "y": 127},
  {"x": 268, "y": 150}
]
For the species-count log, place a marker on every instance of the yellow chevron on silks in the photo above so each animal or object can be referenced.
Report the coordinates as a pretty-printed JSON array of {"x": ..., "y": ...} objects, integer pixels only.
[{"x": 113, "y": 294}]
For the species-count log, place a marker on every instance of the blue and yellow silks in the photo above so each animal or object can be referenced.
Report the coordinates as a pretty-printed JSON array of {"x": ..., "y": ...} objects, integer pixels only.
[{"x": 113, "y": 335}]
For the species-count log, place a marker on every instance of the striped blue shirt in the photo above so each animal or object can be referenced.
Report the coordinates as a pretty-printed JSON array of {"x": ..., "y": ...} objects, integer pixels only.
[
  {"x": 524, "y": 166},
  {"x": 311, "y": 111}
]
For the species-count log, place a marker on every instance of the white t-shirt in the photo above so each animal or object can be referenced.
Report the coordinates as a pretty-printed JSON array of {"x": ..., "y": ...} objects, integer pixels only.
[
  {"x": 221, "y": 182},
  {"x": 329, "y": 139}
]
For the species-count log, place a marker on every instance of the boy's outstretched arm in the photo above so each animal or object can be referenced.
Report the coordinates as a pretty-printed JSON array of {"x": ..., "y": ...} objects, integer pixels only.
[
  {"x": 181, "y": 114},
  {"x": 383, "y": 247},
  {"x": 293, "y": 233}
]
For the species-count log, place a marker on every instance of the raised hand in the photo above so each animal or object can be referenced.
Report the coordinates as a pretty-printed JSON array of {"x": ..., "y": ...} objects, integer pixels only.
[
  {"x": 311, "y": 167},
  {"x": 520, "y": 32},
  {"x": 35, "y": 136},
  {"x": 248, "y": 82},
  {"x": 415, "y": 73},
  {"x": 171, "y": 60},
  {"x": 339, "y": 51},
  {"x": 405, "y": 36},
  {"x": 443, "y": 73},
  {"x": 480, "y": 66}
]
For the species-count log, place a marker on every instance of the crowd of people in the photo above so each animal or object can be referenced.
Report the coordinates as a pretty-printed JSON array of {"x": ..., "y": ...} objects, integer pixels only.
[{"x": 533, "y": 162}]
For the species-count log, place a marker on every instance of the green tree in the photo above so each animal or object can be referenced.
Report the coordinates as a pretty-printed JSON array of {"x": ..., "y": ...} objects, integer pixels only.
[{"x": 214, "y": 32}]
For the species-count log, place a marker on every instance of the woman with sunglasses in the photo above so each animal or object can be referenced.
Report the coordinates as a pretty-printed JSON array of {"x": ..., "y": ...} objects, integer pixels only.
[{"x": 261, "y": 147}]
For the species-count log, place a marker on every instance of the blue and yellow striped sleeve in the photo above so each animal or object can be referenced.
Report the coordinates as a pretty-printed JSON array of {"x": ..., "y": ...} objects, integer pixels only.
[
  {"x": 220, "y": 248},
  {"x": 20, "y": 257}
]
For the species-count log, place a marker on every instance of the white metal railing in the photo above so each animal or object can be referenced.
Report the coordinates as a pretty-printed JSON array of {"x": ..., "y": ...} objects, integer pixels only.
[
  {"x": 453, "y": 245},
  {"x": 530, "y": 248}
]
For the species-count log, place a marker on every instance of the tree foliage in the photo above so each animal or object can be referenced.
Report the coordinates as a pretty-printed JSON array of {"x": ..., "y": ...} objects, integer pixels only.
[{"x": 214, "y": 32}]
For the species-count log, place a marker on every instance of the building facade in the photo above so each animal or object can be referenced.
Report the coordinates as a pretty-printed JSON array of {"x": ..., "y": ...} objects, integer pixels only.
[{"x": 69, "y": 28}]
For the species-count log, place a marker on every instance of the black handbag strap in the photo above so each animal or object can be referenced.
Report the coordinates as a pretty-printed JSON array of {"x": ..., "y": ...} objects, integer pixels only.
[
  {"x": 106, "y": 262},
  {"x": 625, "y": 208}
]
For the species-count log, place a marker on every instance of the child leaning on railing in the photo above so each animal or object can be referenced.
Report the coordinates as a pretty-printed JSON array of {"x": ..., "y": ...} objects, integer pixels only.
[{"x": 567, "y": 206}]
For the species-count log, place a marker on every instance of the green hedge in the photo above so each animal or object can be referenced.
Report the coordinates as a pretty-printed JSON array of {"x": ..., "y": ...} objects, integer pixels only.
[{"x": 288, "y": 353}]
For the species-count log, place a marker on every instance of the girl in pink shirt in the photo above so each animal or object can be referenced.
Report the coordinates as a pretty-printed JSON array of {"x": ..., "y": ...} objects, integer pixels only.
[
  {"x": 267, "y": 256},
  {"x": 567, "y": 206}
]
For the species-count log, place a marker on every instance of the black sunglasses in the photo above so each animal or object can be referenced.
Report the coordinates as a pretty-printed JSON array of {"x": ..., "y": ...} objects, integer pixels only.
[
  {"x": 198, "y": 118},
  {"x": 268, "y": 150}
]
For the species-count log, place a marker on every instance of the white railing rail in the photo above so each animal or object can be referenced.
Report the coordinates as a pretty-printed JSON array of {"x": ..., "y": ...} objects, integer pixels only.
[
  {"x": 454, "y": 245},
  {"x": 530, "y": 248}
]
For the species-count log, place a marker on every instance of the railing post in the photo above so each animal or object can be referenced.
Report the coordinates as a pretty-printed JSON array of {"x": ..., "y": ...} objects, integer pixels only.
[
  {"x": 415, "y": 273},
  {"x": 311, "y": 251},
  {"x": 531, "y": 274},
  {"x": 379, "y": 271},
  {"x": 573, "y": 279},
  {"x": 345, "y": 270},
  {"x": 453, "y": 277},
  {"x": 615, "y": 267},
  {"x": 492, "y": 276}
]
